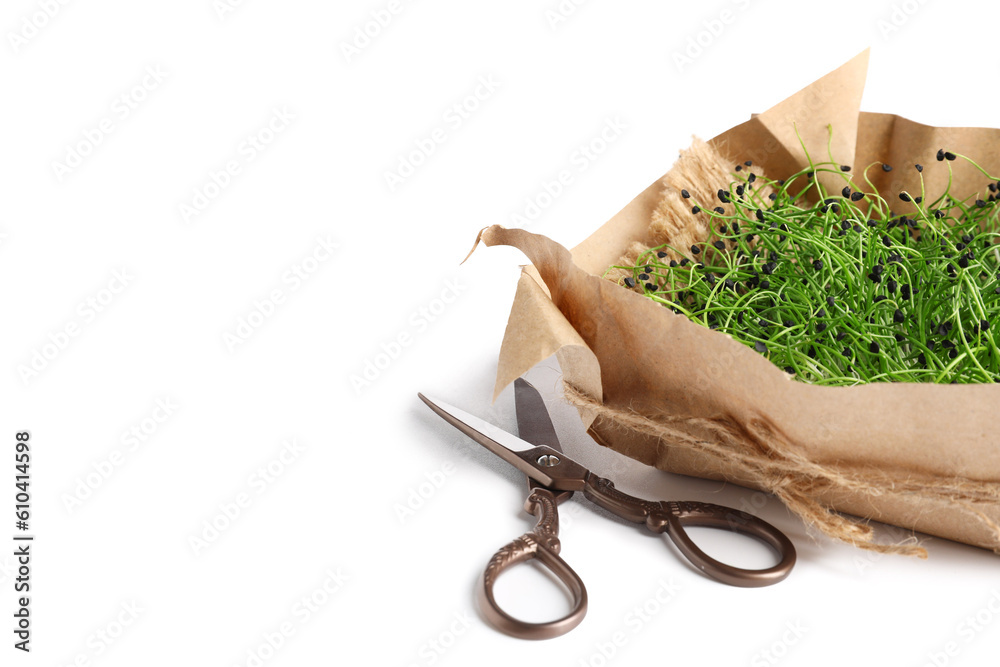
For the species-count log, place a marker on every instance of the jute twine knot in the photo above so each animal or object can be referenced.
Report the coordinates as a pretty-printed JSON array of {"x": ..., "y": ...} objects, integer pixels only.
[{"x": 781, "y": 468}]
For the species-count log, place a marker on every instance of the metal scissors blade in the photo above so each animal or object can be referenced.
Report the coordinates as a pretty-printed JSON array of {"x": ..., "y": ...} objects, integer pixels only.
[
  {"x": 542, "y": 463},
  {"x": 533, "y": 422},
  {"x": 535, "y": 425}
]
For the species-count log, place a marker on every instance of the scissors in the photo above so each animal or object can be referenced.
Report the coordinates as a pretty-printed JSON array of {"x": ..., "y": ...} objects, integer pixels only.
[{"x": 552, "y": 479}]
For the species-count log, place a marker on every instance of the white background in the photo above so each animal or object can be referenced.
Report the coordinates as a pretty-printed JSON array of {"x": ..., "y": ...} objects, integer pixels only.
[{"x": 334, "y": 507}]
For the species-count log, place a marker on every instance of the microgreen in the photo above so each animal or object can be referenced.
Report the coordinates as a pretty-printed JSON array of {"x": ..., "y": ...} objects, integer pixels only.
[{"x": 834, "y": 287}]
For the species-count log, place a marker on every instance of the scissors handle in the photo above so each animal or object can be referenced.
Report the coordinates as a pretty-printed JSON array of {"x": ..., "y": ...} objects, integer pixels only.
[
  {"x": 671, "y": 517},
  {"x": 542, "y": 544}
]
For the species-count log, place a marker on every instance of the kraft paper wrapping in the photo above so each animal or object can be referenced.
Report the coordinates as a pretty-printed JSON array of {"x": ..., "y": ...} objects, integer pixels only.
[{"x": 623, "y": 350}]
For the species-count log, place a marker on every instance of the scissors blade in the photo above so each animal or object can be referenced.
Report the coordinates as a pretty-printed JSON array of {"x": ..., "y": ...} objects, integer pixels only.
[
  {"x": 533, "y": 422},
  {"x": 560, "y": 472}
]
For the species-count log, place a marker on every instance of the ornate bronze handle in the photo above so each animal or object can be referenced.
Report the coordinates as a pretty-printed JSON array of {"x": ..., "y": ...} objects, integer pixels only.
[
  {"x": 671, "y": 517},
  {"x": 542, "y": 544}
]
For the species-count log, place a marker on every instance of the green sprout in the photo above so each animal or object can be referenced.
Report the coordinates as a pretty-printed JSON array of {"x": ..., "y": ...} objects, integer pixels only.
[{"x": 834, "y": 287}]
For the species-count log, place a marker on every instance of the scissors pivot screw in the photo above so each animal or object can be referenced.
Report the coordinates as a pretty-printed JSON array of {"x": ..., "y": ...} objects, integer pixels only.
[{"x": 548, "y": 460}]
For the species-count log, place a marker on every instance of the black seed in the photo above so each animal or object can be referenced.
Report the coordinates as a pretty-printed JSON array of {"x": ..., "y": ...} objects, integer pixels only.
[
  {"x": 765, "y": 284},
  {"x": 879, "y": 299},
  {"x": 818, "y": 264},
  {"x": 821, "y": 327},
  {"x": 904, "y": 196},
  {"x": 980, "y": 203},
  {"x": 789, "y": 370},
  {"x": 940, "y": 154},
  {"x": 643, "y": 276},
  {"x": 810, "y": 174},
  {"x": 748, "y": 163},
  {"x": 916, "y": 201},
  {"x": 723, "y": 196},
  {"x": 719, "y": 210},
  {"x": 846, "y": 192},
  {"x": 651, "y": 287},
  {"x": 886, "y": 167},
  {"x": 788, "y": 324},
  {"x": 845, "y": 225},
  {"x": 673, "y": 263},
  {"x": 859, "y": 228},
  {"x": 760, "y": 346},
  {"x": 857, "y": 196},
  {"x": 963, "y": 262},
  {"x": 845, "y": 167},
  {"x": 721, "y": 245},
  {"x": 886, "y": 241},
  {"x": 773, "y": 196},
  {"x": 939, "y": 214},
  {"x": 898, "y": 317},
  {"x": 949, "y": 156},
  {"x": 695, "y": 209},
  {"x": 685, "y": 261},
  {"x": 629, "y": 282},
  {"x": 830, "y": 301},
  {"x": 811, "y": 353},
  {"x": 835, "y": 207},
  {"x": 874, "y": 277},
  {"x": 739, "y": 167},
  {"x": 685, "y": 194},
  {"x": 984, "y": 325},
  {"x": 874, "y": 347},
  {"x": 904, "y": 291},
  {"x": 739, "y": 190},
  {"x": 695, "y": 250},
  {"x": 760, "y": 215},
  {"x": 730, "y": 284},
  {"x": 919, "y": 167},
  {"x": 736, "y": 228},
  {"x": 841, "y": 336},
  {"x": 847, "y": 352},
  {"x": 922, "y": 359},
  {"x": 959, "y": 246},
  {"x": 751, "y": 178}
]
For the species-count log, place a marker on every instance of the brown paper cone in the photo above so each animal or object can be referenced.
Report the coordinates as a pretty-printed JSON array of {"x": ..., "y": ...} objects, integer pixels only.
[{"x": 929, "y": 455}]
